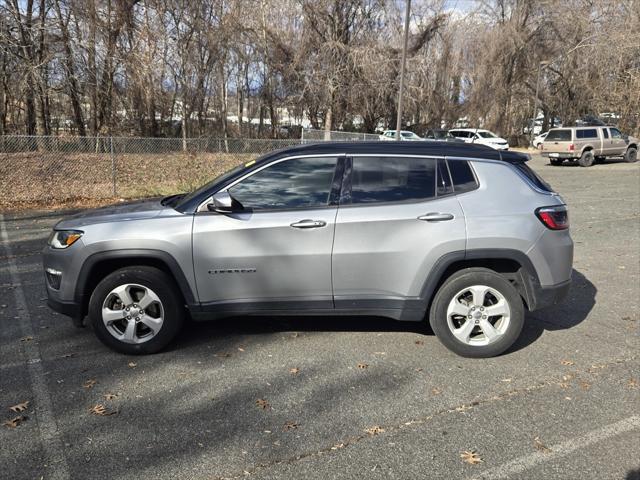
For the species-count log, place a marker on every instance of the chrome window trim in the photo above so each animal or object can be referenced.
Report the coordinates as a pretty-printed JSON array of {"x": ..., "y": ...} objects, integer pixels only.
[{"x": 203, "y": 206}]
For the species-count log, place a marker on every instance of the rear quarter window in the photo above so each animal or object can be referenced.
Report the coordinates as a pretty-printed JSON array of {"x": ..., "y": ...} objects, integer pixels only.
[
  {"x": 559, "y": 136},
  {"x": 462, "y": 176},
  {"x": 532, "y": 176},
  {"x": 589, "y": 133}
]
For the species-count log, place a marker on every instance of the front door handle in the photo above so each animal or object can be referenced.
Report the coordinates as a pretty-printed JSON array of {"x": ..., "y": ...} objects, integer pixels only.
[
  {"x": 436, "y": 217},
  {"x": 309, "y": 224}
]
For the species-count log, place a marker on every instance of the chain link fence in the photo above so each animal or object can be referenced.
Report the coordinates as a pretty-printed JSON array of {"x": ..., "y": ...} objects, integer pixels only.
[
  {"x": 44, "y": 171},
  {"x": 311, "y": 135}
]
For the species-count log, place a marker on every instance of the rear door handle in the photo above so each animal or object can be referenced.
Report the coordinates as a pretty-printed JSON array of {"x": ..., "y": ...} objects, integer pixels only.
[
  {"x": 436, "y": 217},
  {"x": 309, "y": 224}
]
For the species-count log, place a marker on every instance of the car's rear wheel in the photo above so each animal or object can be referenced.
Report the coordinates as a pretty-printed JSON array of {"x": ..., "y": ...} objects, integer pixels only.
[
  {"x": 136, "y": 310},
  {"x": 587, "y": 159},
  {"x": 477, "y": 313},
  {"x": 555, "y": 161},
  {"x": 631, "y": 155}
]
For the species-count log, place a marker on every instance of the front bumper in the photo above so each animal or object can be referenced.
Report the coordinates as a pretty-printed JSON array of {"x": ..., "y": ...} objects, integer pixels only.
[
  {"x": 62, "y": 297},
  {"x": 70, "y": 309}
]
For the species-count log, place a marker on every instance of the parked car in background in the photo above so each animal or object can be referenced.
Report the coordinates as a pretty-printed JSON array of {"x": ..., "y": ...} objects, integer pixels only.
[
  {"x": 481, "y": 137},
  {"x": 588, "y": 144},
  {"x": 537, "y": 141},
  {"x": 440, "y": 135},
  {"x": 405, "y": 135},
  {"x": 464, "y": 237}
]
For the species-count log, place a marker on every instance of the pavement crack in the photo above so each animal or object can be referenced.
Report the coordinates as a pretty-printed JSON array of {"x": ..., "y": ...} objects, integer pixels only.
[{"x": 385, "y": 429}]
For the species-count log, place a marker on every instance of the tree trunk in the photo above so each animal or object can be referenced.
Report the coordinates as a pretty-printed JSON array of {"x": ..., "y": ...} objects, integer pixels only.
[{"x": 72, "y": 83}]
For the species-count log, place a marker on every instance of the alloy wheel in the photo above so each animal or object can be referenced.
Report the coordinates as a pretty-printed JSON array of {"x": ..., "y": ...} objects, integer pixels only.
[
  {"x": 132, "y": 313},
  {"x": 478, "y": 315}
]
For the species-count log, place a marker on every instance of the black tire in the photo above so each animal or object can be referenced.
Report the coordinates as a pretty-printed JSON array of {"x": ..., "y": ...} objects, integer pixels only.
[
  {"x": 556, "y": 162},
  {"x": 587, "y": 159},
  {"x": 631, "y": 155},
  {"x": 458, "y": 282},
  {"x": 165, "y": 289}
]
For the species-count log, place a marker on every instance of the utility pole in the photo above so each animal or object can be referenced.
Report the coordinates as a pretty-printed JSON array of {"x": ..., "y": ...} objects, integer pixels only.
[
  {"x": 535, "y": 104},
  {"x": 402, "y": 69}
]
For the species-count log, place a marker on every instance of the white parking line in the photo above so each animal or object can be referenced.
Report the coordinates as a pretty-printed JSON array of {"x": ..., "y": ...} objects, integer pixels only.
[
  {"x": 514, "y": 467},
  {"x": 50, "y": 440}
]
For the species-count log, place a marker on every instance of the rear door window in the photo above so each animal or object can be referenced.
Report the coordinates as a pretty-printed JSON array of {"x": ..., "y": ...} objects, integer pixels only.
[
  {"x": 443, "y": 179},
  {"x": 391, "y": 179},
  {"x": 559, "y": 135},
  {"x": 605, "y": 132}
]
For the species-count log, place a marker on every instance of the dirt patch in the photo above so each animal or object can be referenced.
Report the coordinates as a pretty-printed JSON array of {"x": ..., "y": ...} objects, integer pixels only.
[{"x": 32, "y": 179}]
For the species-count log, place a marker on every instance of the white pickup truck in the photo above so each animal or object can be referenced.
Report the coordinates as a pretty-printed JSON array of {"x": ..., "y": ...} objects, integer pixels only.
[{"x": 588, "y": 144}]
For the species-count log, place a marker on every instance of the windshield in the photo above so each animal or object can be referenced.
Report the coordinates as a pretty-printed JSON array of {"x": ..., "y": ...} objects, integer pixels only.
[
  {"x": 486, "y": 134},
  {"x": 559, "y": 135},
  {"x": 220, "y": 178}
]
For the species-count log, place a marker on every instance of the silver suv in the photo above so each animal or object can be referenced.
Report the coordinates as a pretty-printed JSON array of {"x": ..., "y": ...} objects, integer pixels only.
[{"x": 462, "y": 235}]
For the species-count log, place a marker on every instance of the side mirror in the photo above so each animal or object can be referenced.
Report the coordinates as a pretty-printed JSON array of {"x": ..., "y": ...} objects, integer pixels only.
[{"x": 224, "y": 203}]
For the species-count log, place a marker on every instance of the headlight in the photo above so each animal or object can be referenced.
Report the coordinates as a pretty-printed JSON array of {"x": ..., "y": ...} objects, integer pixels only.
[{"x": 64, "y": 238}]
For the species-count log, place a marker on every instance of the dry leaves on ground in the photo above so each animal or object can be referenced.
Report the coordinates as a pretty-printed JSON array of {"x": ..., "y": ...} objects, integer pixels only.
[
  {"x": 28, "y": 338},
  {"x": 263, "y": 404},
  {"x": 375, "y": 430},
  {"x": 633, "y": 383},
  {"x": 290, "y": 426},
  {"x": 362, "y": 366},
  {"x": 294, "y": 371},
  {"x": 14, "y": 422},
  {"x": 567, "y": 363},
  {"x": 471, "y": 457},
  {"x": 540, "y": 446},
  {"x": 419, "y": 342},
  {"x": 20, "y": 407},
  {"x": 101, "y": 410},
  {"x": 89, "y": 383},
  {"x": 436, "y": 391},
  {"x": 110, "y": 396},
  {"x": 132, "y": 365}
]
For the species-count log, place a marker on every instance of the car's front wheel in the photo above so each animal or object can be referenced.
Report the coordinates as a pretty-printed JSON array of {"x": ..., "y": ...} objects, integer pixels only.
[
  {"x": 631, "y": 155},
  {"x": 136, "y": 310},
  {"x": 477, "y": 313}
]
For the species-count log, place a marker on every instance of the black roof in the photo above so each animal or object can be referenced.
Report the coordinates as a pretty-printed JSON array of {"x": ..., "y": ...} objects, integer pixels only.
[{"x": 436, "y": 148}]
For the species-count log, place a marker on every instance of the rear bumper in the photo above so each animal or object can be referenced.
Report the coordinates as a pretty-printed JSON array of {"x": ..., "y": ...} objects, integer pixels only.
[
  {"x": 541, "y": 297},
  {"x": 563, "y": 155}
]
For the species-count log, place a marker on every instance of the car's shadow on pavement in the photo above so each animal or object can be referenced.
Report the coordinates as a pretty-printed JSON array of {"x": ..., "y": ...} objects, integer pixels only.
[
  {"x": 567, "y": 314},
  {"x": 571, "y": 312}
]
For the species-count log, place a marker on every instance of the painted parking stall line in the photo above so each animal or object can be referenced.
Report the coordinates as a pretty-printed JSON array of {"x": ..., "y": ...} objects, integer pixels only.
[
  {"x": 49, "y": 434},
  {"x": 519, "y": 465}
]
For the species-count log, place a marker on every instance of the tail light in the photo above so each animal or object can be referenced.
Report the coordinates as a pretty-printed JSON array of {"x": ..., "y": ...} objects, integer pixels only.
[
  {"x": 554, "y": 218},
  {"x": 572, "y": 147}
]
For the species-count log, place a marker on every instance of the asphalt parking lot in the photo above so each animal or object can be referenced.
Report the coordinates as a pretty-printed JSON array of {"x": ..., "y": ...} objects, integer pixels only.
[{"x": 337, "y": 398}]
